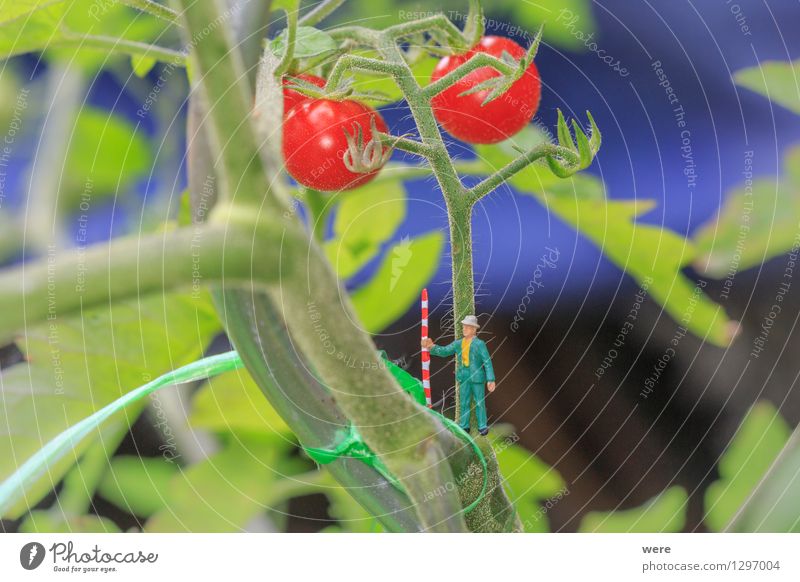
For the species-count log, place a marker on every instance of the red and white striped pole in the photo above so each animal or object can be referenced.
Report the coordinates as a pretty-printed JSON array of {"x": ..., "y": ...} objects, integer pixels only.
[{"x": 426, "y": 355}]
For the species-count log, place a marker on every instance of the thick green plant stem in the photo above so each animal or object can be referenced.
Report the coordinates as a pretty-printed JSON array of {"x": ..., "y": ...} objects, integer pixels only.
[
  {"x": 408, "y": 446},
  {"x": 319, "y": 207},
  {"x": 279, "y": 369},
  {"x": 77, "y": 279},
  {"x": 250, "y": 26}
]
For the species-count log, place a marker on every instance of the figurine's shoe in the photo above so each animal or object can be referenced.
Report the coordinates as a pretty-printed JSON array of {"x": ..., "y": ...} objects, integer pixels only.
[{"x": 484, "y": 431}]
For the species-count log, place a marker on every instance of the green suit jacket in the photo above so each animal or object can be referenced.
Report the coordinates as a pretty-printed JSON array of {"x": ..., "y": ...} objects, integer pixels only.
[{"x": 480, "y": 368}]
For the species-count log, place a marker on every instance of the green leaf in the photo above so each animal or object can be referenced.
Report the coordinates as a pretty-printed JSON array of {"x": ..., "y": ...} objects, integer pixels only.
[
  {"x": 775, "y": 505},
  {"x": 106, "y": 155},
  {"x": 365, "y": 219},
  {"x": 77, "y": 365},
  {"x": 52, "y": 521},
  {"x": 531, "y": 484},
  {"x": 351, "y": 516},
  {"x": 309, "y": 42},
  {"x": 757, "y": 221},
  {"x": 754, "y": 447},
  {"x": 778, "y": 81},
  {"x": 11, "y": 9},
  {"x": 664, "y": 513},
  {"x": 33, "y": 26},
  {"x": 142, "y": 65},
  {"x": 567, "y": 23},
  {"x": 406, "y": 268},
  {"x": 226, "y": 491},
  {"x": 651, "y": 255},
  {"x": 137, "y": 484},
  {"x": 233, "y": 402}
]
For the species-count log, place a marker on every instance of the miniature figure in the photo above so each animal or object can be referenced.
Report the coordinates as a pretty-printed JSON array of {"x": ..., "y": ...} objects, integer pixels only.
[{"x": 473, "y": 370}]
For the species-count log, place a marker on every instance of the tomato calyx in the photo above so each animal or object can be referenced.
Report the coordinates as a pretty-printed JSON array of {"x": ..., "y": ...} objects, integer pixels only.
[
  {"x": 363, "y": 157},
  {"x": 502, "y": 82},
  {"x": 307, "y": 86}
]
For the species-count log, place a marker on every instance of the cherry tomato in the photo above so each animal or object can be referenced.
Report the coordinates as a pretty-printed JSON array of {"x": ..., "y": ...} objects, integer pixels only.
[
  {"x": 314, "y": 142},
  {"x": 465, "y": 118},
  {"x": 292, "y": 97}
]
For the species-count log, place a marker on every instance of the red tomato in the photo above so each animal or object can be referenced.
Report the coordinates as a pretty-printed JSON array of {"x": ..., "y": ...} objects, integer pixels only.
[
  {"x": 291, "y": 97},
  {"x": 314, "y": 142},
  {"x": 465, "y": 118}
]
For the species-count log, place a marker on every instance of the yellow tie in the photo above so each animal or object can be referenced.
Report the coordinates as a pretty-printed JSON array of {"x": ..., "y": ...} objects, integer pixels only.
[{"x": 465, "y": 350}]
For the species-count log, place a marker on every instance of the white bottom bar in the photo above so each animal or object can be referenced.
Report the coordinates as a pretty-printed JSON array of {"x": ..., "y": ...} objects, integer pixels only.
[{"x": 356, "y": 557}]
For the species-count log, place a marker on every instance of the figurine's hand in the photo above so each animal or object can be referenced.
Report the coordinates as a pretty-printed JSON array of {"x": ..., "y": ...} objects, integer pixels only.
[
  {"x": 427, "y": 343},
  {"x": 491, "y": 386}
]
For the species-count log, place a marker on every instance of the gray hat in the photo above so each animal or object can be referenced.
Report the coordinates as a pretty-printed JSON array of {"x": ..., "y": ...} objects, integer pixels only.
[{"x": 470, "y": 320}]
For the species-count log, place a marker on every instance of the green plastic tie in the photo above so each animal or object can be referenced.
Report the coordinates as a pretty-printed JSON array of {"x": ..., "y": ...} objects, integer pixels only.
[{"x": 353, "y": 446}]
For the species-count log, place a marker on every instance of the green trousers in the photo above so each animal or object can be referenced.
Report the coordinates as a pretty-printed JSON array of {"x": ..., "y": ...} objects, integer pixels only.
[{"x": 469, "y": 391}]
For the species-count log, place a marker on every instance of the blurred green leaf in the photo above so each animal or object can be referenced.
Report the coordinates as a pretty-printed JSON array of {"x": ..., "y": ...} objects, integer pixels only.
[
  {"x": 51, "y": 24},
  {"x": 778, "y": 81},
  {"x": 365, "y": 219},
  {"x": 651, "y": 255},
  {"x": 106, "y": 155},
  {"x": 530, "y": 483},
  {"x": 77, "y": 365},
  {"x": 233, "y": 402},
  {"x": 754, "y": 447},
  {"x": 142, "y": 65},
  {"x": 230, "y": 488},
  {"x": 567, "y": 23},
  {"x": 775, "y": 504},
  {"x": 664, "y": 513},
  {"x": 52, "y": 521},
  {"x": 342, "y": 507},
  {"x": 137, "y": 484},
  {"x": 406, "y": 268},
  {"x": 309, "y": 42},
  {"x": 12, "y": 9},
  {"x": 756, "y": 223}
]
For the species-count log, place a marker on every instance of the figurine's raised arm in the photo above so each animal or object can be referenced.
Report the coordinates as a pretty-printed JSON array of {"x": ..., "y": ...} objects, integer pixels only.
[{"x": 443, "y": 351}]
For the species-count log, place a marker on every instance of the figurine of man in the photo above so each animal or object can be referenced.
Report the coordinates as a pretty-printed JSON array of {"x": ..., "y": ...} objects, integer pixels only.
[{"x": 473, "y": 370}]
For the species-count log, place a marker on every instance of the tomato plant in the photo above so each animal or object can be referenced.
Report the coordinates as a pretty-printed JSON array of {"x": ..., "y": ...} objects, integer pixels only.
[
  {"x": 282, "y": 302},
  {"x": 462, "y": 110},
  {"x": 331, "y": 145}
]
